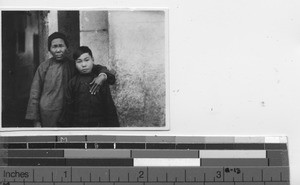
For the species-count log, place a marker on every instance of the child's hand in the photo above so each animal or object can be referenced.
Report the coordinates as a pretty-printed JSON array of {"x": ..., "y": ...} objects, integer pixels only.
[{"x": 97, "y": 82}]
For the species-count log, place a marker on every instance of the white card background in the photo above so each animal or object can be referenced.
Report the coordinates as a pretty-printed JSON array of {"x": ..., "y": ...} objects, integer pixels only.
[{"x": 234, "y": 66}]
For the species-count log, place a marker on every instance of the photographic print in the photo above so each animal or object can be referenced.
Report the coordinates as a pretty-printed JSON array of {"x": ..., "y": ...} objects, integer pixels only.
[{"x": 84, "y": 68}]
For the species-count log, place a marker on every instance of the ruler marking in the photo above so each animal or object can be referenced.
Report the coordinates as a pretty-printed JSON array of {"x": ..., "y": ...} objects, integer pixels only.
[
  {"x": 71, "y": 180},
  {"x": 109, "y": 175},
  {"x": 223, "y": 174},
  {"x": 243, "y": 178},
  {"x": 252, "y": 175},
  {"x": 147, "y": 174},
  {"x": 167, "y": 179}
]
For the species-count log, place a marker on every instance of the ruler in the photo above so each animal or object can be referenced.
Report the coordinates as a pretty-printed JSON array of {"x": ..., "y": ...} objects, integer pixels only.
[{"x": 143, "y": 160}]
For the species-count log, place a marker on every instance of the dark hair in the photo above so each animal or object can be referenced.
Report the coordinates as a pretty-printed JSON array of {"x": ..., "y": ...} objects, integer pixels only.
[
  {"x": 81, "y": 50},
  {"x": 57, "y": 35}
]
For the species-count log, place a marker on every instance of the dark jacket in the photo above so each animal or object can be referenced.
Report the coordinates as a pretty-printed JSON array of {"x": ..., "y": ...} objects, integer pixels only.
[{"x": 86, "y": 110}]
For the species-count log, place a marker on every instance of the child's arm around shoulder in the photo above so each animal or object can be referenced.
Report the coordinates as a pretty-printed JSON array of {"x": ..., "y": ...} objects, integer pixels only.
[
  {"x": 110, "y": 77},
  {"x": 104, "y": 76}
]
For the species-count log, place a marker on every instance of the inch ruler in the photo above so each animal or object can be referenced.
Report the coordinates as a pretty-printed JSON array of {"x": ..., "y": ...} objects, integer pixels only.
[
  {"x": 143, "y": 160},
  {"x": 146, "y": 175}
]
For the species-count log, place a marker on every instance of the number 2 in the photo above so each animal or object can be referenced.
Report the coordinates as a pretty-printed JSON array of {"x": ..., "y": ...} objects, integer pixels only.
[{"x": 141, "y": 174}]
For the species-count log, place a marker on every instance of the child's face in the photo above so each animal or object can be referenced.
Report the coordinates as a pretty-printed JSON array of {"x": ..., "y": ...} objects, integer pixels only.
[
  {"x": 84, "y": 63},
  {"x": 58, "y": 48}
]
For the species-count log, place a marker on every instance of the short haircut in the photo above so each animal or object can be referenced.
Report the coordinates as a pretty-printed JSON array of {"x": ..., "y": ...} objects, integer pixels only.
[
  {"x": 81, "y": 50},
  {"x": 57, "y": 35}
]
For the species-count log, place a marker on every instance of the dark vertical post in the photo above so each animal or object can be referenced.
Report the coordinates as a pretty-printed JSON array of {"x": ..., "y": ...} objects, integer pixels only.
[
  {"x": 9, "y": 48},
  {"x": 36, "y": 56},
  {"x": 68, "y": 23}
]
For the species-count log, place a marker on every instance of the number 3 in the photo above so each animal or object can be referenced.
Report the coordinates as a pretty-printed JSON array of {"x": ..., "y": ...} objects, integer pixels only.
[{"x": 219, "y": 174}]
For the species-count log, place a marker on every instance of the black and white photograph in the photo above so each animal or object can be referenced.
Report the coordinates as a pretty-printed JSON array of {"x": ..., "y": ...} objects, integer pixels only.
[
  {"x": 141, "y": 86},
  {"x": 84, "y": 68}
]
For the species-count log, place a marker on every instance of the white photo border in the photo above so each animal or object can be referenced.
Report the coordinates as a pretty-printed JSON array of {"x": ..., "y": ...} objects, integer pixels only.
[{"x": 75, "y": 130}]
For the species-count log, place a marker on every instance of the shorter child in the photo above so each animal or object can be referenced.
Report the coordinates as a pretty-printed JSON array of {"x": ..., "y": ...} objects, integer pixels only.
[{"x": 82, "y": 108}]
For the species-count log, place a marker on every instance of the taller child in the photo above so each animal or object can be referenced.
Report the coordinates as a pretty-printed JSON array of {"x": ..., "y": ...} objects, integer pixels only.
[{"x": 46, "y": 101}]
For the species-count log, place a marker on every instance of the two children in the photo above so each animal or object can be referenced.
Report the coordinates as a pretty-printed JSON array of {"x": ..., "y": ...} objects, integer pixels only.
[{"x": 84, "y": 109}]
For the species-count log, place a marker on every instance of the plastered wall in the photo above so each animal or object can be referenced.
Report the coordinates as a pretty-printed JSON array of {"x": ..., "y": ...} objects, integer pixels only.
[
  {"x": 94, "y": 34},
  {"x": 137, "y": 53}
]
